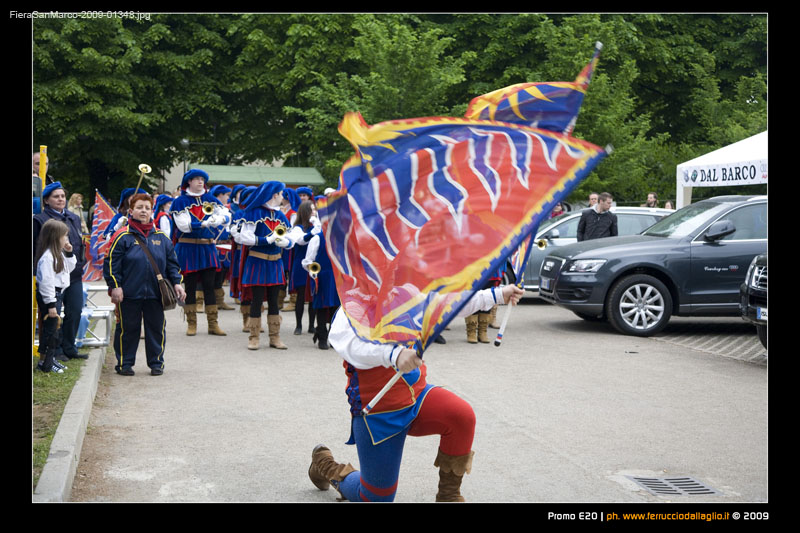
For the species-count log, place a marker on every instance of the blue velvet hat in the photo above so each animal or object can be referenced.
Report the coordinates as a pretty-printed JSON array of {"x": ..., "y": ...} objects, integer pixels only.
[
  {"x": 291, "y": 195},
  {"x": 236, "y": 189},
  {"x": 50, "y": 188},
  {"x": 219, "y": 189},
  {"x": 127, "y": 193},
  {"x": 306, "y": 190},
  {"x": 162, "y": 199},
  {"x": 245, "y": 196},
  {"x": 264, "y": 193},
  {"x": 193, "y": 173}
]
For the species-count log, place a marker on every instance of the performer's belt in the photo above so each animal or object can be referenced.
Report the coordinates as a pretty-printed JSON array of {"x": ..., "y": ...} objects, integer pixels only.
[
  {"x": 187, "y": 240},
  {"x": 268, "y": 257},
  {"x": 226, "y": 241}
]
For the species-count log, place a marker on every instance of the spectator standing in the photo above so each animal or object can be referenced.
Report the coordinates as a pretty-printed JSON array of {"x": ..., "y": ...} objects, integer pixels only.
[
  {"x": 593, "y": 199},
  {"x": 598, "y": 221},
  {"x": 54, "y": 198},
  {"x": 652, "y": 200},
  {"x": 75, "y": 205}
]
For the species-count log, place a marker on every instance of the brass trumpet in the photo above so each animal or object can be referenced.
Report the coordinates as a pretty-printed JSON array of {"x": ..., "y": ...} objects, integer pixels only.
[
  {"x": 541, "y": 244},
  {"x": 144, "y": 168},
  {"x": 313, "y": 269},
  {"x": 280, "y": 230},
  {"x": 208, "y": 208}
]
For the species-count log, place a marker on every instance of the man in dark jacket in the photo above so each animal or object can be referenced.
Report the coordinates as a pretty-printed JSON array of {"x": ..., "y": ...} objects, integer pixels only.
[
  {"x": 54, "y": 198},
  {"x": 598, "y": 221}
]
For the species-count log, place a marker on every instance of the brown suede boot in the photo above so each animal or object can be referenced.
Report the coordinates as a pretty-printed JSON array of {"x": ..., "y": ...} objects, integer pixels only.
[
  {"x": 472, "y": 329},
  {"x": 483, "y": 323},
  {"x": 190, "y": 310},
  {"x": 213, "y": 325},
  {"x": 254, "y": 327},
  {"x": 245, "y": 311},
  {"x": 451, "y": 471},
  {"x": 324, "y": 469},
  {"x": 281, "y": 298},
  {"x": 493, "y": 322},
  {"x": 200, "y": 299},
  {"x": 220, "y": 293},
  {"x": 292, "y": 305},
  {"x": 274, "y": 326}
]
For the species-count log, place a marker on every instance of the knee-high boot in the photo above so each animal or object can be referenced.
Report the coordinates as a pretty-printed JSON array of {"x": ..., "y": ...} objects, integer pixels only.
[
  {"x": 220, "y": 297},
  {"x": 274, "y": 326},
  {"x": 190, "y": 310},
  {"x": 213, "y": 324},
  {"x": 451, "y": 472}
]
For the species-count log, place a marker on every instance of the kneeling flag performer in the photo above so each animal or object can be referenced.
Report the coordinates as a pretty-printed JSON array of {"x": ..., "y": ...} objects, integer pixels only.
[{"x": 426, "y": 211}]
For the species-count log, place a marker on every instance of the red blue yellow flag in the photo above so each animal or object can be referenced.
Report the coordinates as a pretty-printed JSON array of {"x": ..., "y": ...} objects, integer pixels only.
[
  {"x": 96, "y": 251},
  {"x": 429, "y": 209}
]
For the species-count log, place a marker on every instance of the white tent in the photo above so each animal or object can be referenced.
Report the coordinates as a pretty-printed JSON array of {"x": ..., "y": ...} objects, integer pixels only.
[{"x": 741, "y": 163}]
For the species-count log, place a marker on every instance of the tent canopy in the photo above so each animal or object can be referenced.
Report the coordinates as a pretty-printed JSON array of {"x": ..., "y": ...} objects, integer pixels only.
[
  {"x": 740, "y": 163},
  {"x": 256, "y": 175}
]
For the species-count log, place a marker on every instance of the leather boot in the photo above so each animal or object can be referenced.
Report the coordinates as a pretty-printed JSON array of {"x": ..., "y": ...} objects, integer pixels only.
[
  {"x": 274, "y": 325},
  {"x": 220, "y": 293},
  {"x": 281, "y": 298},
  {"x": 190, "y": 310},
  {"x": 322, "y": 336},
  {"x": 213, "y": 325},
  {"x": 472, "y": 329},
  {"x": 254, "y": 327},
  {"x": 324, "y": 469},
  {"x": 292, "y": 305},
  {"x": 483, "y": 323},
  {"x": 245, "y": 311},
  {"x": 493, "y": 322},
  {"x": 451, "y": 471},
  {"x": 200, "y": 299}
]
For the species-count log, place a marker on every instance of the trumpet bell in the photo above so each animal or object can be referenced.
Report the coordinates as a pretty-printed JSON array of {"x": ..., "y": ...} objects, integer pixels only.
[
  {"x": 145, "y": 168},
  {"x": 541, "y": 244},
  {"x": 314, "y": 269},
  {"x": 208, "y": 208},
  {"x": 280, "y": 231}
]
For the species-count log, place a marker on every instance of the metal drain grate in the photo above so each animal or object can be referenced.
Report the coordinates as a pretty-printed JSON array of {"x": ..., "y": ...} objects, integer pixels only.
[{"x": 674, "y": 486}]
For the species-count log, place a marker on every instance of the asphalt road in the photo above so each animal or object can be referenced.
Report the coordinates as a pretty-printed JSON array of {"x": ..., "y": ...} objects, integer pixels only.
[{"x": 567, "y": 411}]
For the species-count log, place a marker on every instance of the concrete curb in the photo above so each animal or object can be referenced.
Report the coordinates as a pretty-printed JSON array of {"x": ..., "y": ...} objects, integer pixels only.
[{"x": 55, "y": 483}]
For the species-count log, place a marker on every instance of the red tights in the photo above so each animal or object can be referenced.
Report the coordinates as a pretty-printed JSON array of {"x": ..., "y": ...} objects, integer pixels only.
[{"x": 443, "y": 413}]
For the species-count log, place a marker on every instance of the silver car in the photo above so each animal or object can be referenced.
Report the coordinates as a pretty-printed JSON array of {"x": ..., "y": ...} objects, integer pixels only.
[{"x": 563, "y": 229}]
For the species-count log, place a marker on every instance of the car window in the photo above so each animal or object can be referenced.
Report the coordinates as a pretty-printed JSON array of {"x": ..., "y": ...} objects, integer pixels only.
[
  {"x": 568, "y": 229},
  {"x": 629, "y": 224},
  {"x": 750, "y": 222}
]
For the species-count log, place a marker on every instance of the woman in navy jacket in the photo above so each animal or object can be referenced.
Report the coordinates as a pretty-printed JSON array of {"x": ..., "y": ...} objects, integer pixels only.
[{"x": 134, "y": 286}]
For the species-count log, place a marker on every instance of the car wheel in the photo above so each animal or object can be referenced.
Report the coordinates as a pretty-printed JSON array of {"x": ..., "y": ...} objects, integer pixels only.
[
  {"x": 639, "y": 305},
  {"x": 762, "y": 334},
  {"x": 591, "y": 318}
]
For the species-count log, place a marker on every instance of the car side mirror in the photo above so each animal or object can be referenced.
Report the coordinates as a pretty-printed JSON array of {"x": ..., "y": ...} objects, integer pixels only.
[
  {"x": 719, "y": 229},
  {"x": 552, "y": 234}
]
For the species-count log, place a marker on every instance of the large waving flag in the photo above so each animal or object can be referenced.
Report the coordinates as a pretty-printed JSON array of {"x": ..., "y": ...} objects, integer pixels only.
[
  {"x": 429, "y": 209},
  {"x": 96, "y": 251}
]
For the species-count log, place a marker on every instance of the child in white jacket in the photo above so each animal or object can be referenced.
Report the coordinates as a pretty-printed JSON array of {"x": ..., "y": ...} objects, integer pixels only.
[{"x": 54, "y": 262}]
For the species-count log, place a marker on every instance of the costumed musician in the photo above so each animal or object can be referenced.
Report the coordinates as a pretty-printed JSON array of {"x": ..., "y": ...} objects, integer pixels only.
[
  {"x": 291, "y": 201},
  {"x": 240, "y": 295},
  {"x": 306, "y": 225},
  {"x": 223, "y": 243},
  {"x": 198, "y": 216},
  {"x": 262, "y": 263}
]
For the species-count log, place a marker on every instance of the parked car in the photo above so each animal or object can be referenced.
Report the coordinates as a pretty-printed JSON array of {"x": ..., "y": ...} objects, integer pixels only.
[
  {"x": 563, "y": 229},
  {"x": 690, "y": 263},
  {"x": 753, "y": 291}
]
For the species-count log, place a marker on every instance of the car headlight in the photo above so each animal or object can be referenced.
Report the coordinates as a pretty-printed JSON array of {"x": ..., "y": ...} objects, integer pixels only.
[{"x": 585, "y": 266}]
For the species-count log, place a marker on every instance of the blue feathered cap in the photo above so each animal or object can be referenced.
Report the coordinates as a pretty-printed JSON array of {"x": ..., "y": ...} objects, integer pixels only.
[
  {"x": 305, "y": 190},
  {"x": 236, "y": 189},
  {"x": 291, "y": 195},
  {"x": 162, "y": 199},
  {"x": 246, "y": 193},
  {"x": 219, "y": 189},
  {"x": 50, "y": 188},
  {"x": 193, "y": 173},
  {"x": 265, "y": 192},
  {"x": 127, "y": 193}
]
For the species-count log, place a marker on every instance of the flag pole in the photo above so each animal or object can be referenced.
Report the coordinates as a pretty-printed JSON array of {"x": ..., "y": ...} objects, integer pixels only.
[{"x": 518, "y": 275}]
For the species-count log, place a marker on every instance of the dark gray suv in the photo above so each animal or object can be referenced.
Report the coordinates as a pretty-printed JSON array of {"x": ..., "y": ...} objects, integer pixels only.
[{"x": 690, "y": 263}]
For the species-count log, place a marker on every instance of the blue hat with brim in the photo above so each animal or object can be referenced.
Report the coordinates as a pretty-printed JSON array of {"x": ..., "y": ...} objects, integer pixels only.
[
  {"x": 219, "y": 189},
  {"x": 291, "y": 195},
  {"x": 127, "y": 193},
  {"x": 305, "y": 190},
  {"x": 235, "y": 190},
  {"x": 265, "y": 192},
  {"x": 50, "y": 188},
  {"x": 193, "y": 173},
  {"x": 245, "y": 196},
  {"x": 161, "y": 200}
]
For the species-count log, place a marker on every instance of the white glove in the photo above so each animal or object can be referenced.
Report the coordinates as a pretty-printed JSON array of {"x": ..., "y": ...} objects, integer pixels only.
[
  {"x": 271, "y": 238},
  {"x": 281, "y": 242},
  {"x": 121, "y": 222}
]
